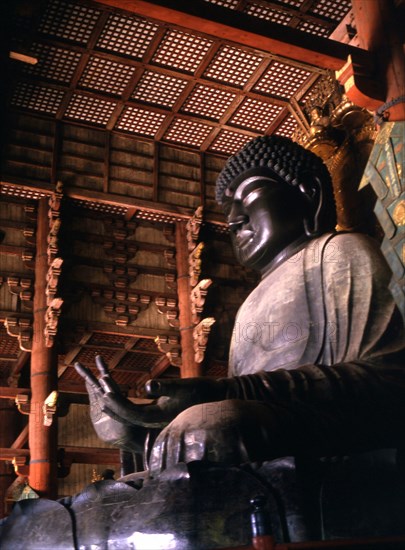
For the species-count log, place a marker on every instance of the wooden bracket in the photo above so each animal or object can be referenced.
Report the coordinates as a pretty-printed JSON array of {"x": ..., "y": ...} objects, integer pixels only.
[
  {"x": 170, "y": 346},
  {"x": 120, "y": 305},
  {"x": 49, "y": 408},
  {"x": 120, "y": 251},
  {"x": 54, "y": 212},
  {"x": 23, "y": 402},
  {"x": 20, "y": 465},
  {"x": 121, "y": 276},
  {"x": 28, "y": 258},
  {"x": 30, "y": 213},
  {"x": 52, "y": 315},
  {"x": 193, "y": 228},
  {"x": 55, "y": 201},
  {"x": 195, "y": 264},
  {"x": 170, "y": 257},
  {"x": 53, "y": 239},
  {"x": 200, "y": 334},
  {"x": 54, "y": 303},
  {"x": 170, "y": 280},
  {"x": 169, "y": 232},
  {"x": 120, "y": 229},
  {"x": 23, "y": 288},
  {"x": 168, "y": 306},
  {"x": 198, "y": 297},
  {"x": 20, "y": 328},
  {"x": 52, "y": 278},
  {"x": 119, "y": 247},
  {"x": 29, "y": 234}
]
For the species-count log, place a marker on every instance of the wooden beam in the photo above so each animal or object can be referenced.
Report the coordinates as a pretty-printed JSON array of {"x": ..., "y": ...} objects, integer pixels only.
[
  {"x": 56, "y": 149},
  {"x": 158, "y": 369},
  {"x": 156, "y": 173},
  {"x": 154, "y": 248},
  {"x": 8, "y": 425},
  {"x": 91, "y": 455},
  {"x": 80, "y": 455},
  {"x": 114, "y": 362},
  {"x": 202, "y": 180},
  {"x": 11, "y": 250},
  {"x": 67, "y": 391},
  {"x": 107, "y": 158},
  {"x": 21, "y": 440},
  {"x": 202, "y": 17},
  {"x": 73, "y": 353},
  {"x": 106, "y": 198},
  {"x": 16, "y": 369},
  {"x": 132, "y": 204},
  {"x": 9, "y": 454},
  {"x": 11, "y": 393},
  {"x": 142, "y": 269},
  {"x": 112, "y": 328}
]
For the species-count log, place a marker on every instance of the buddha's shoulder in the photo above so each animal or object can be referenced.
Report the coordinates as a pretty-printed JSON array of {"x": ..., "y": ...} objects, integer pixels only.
[
  {"x": 344, "y": 238},
  {"x": 357, "y": 250}
]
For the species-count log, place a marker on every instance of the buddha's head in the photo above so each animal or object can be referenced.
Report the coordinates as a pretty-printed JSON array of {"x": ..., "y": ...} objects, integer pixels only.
[{"x": 275, "y": 195}]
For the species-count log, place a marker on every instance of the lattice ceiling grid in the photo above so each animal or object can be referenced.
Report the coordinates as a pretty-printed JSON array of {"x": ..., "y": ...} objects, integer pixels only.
[{"x": 118, "y": 71}]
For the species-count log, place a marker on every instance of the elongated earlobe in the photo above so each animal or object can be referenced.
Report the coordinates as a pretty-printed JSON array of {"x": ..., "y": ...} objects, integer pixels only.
[{"x": 311, "y": 226}]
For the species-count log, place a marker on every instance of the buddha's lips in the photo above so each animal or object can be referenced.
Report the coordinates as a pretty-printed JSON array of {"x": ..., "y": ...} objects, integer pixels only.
[{"x": 244, "y": 236}]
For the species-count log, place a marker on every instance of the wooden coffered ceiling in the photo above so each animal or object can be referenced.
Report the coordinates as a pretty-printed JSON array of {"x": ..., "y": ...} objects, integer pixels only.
[{"x": 124, "y": 71}]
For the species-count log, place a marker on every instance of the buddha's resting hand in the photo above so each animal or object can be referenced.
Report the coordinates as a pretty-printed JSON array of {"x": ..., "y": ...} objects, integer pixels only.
[
  {"x": 121, "y": 422},
  {"x": 229, "y": 432}
]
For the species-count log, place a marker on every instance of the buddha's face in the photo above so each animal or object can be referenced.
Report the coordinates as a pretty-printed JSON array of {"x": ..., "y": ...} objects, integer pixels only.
[{"x": 264, "y": 218}]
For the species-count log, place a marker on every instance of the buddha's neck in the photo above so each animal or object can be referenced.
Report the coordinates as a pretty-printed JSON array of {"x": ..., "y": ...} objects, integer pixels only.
[{"x": 285, "y": 255}]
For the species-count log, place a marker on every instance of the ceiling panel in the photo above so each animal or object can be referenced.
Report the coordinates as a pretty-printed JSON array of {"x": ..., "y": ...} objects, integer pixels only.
[
  {"x": 255, "y": 114},
  {"x": 188, "y": 132},
  {"x": 159, "y": 89},
  {"x": 105, "y": 75},
  {"x": 228, "y": 142},
  {"x": 89, "y": 109},
  {"x": 331, "y": 9},
  {"x": 129, "y": 36},
  {"x": 287, "y": 127},
  {"x": 208, "y": 102},
  {"x": 69, "y": 20},
  {"x": 313, "y": 28},
  {"x": 269, "y": 14},
  {"x": 182, "y": 51},
  {"x": 57, "y": 64},
  {"x": 282, "y": 80},
  {"x": 37, "y": 98},
  {"x": 233, "y": 66},
  {"x": 140, "y": 121}
]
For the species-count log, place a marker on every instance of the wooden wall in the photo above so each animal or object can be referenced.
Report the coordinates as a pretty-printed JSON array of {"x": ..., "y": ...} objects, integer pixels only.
[{"x": 124, "y": 172}]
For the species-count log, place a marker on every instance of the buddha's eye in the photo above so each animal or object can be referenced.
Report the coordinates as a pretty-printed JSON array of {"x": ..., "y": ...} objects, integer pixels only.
[
  {"x": 252, "y": 194},
  {"x": 226, "y": 207}
]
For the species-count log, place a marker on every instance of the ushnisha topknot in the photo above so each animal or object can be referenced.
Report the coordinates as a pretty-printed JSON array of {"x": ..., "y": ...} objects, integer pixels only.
[{"x": 280, "y": 155}]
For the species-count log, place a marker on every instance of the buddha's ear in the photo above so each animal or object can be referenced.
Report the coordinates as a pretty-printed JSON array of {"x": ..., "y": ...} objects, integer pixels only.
[{"x": 313, "y": 192}]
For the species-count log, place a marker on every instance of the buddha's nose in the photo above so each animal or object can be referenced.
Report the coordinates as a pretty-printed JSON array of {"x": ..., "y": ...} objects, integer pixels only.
[{"x": 236, "y": 221}]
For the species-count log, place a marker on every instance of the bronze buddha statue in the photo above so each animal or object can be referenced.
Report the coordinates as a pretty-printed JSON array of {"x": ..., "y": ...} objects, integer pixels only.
[{"x": 316, "y": 361}]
